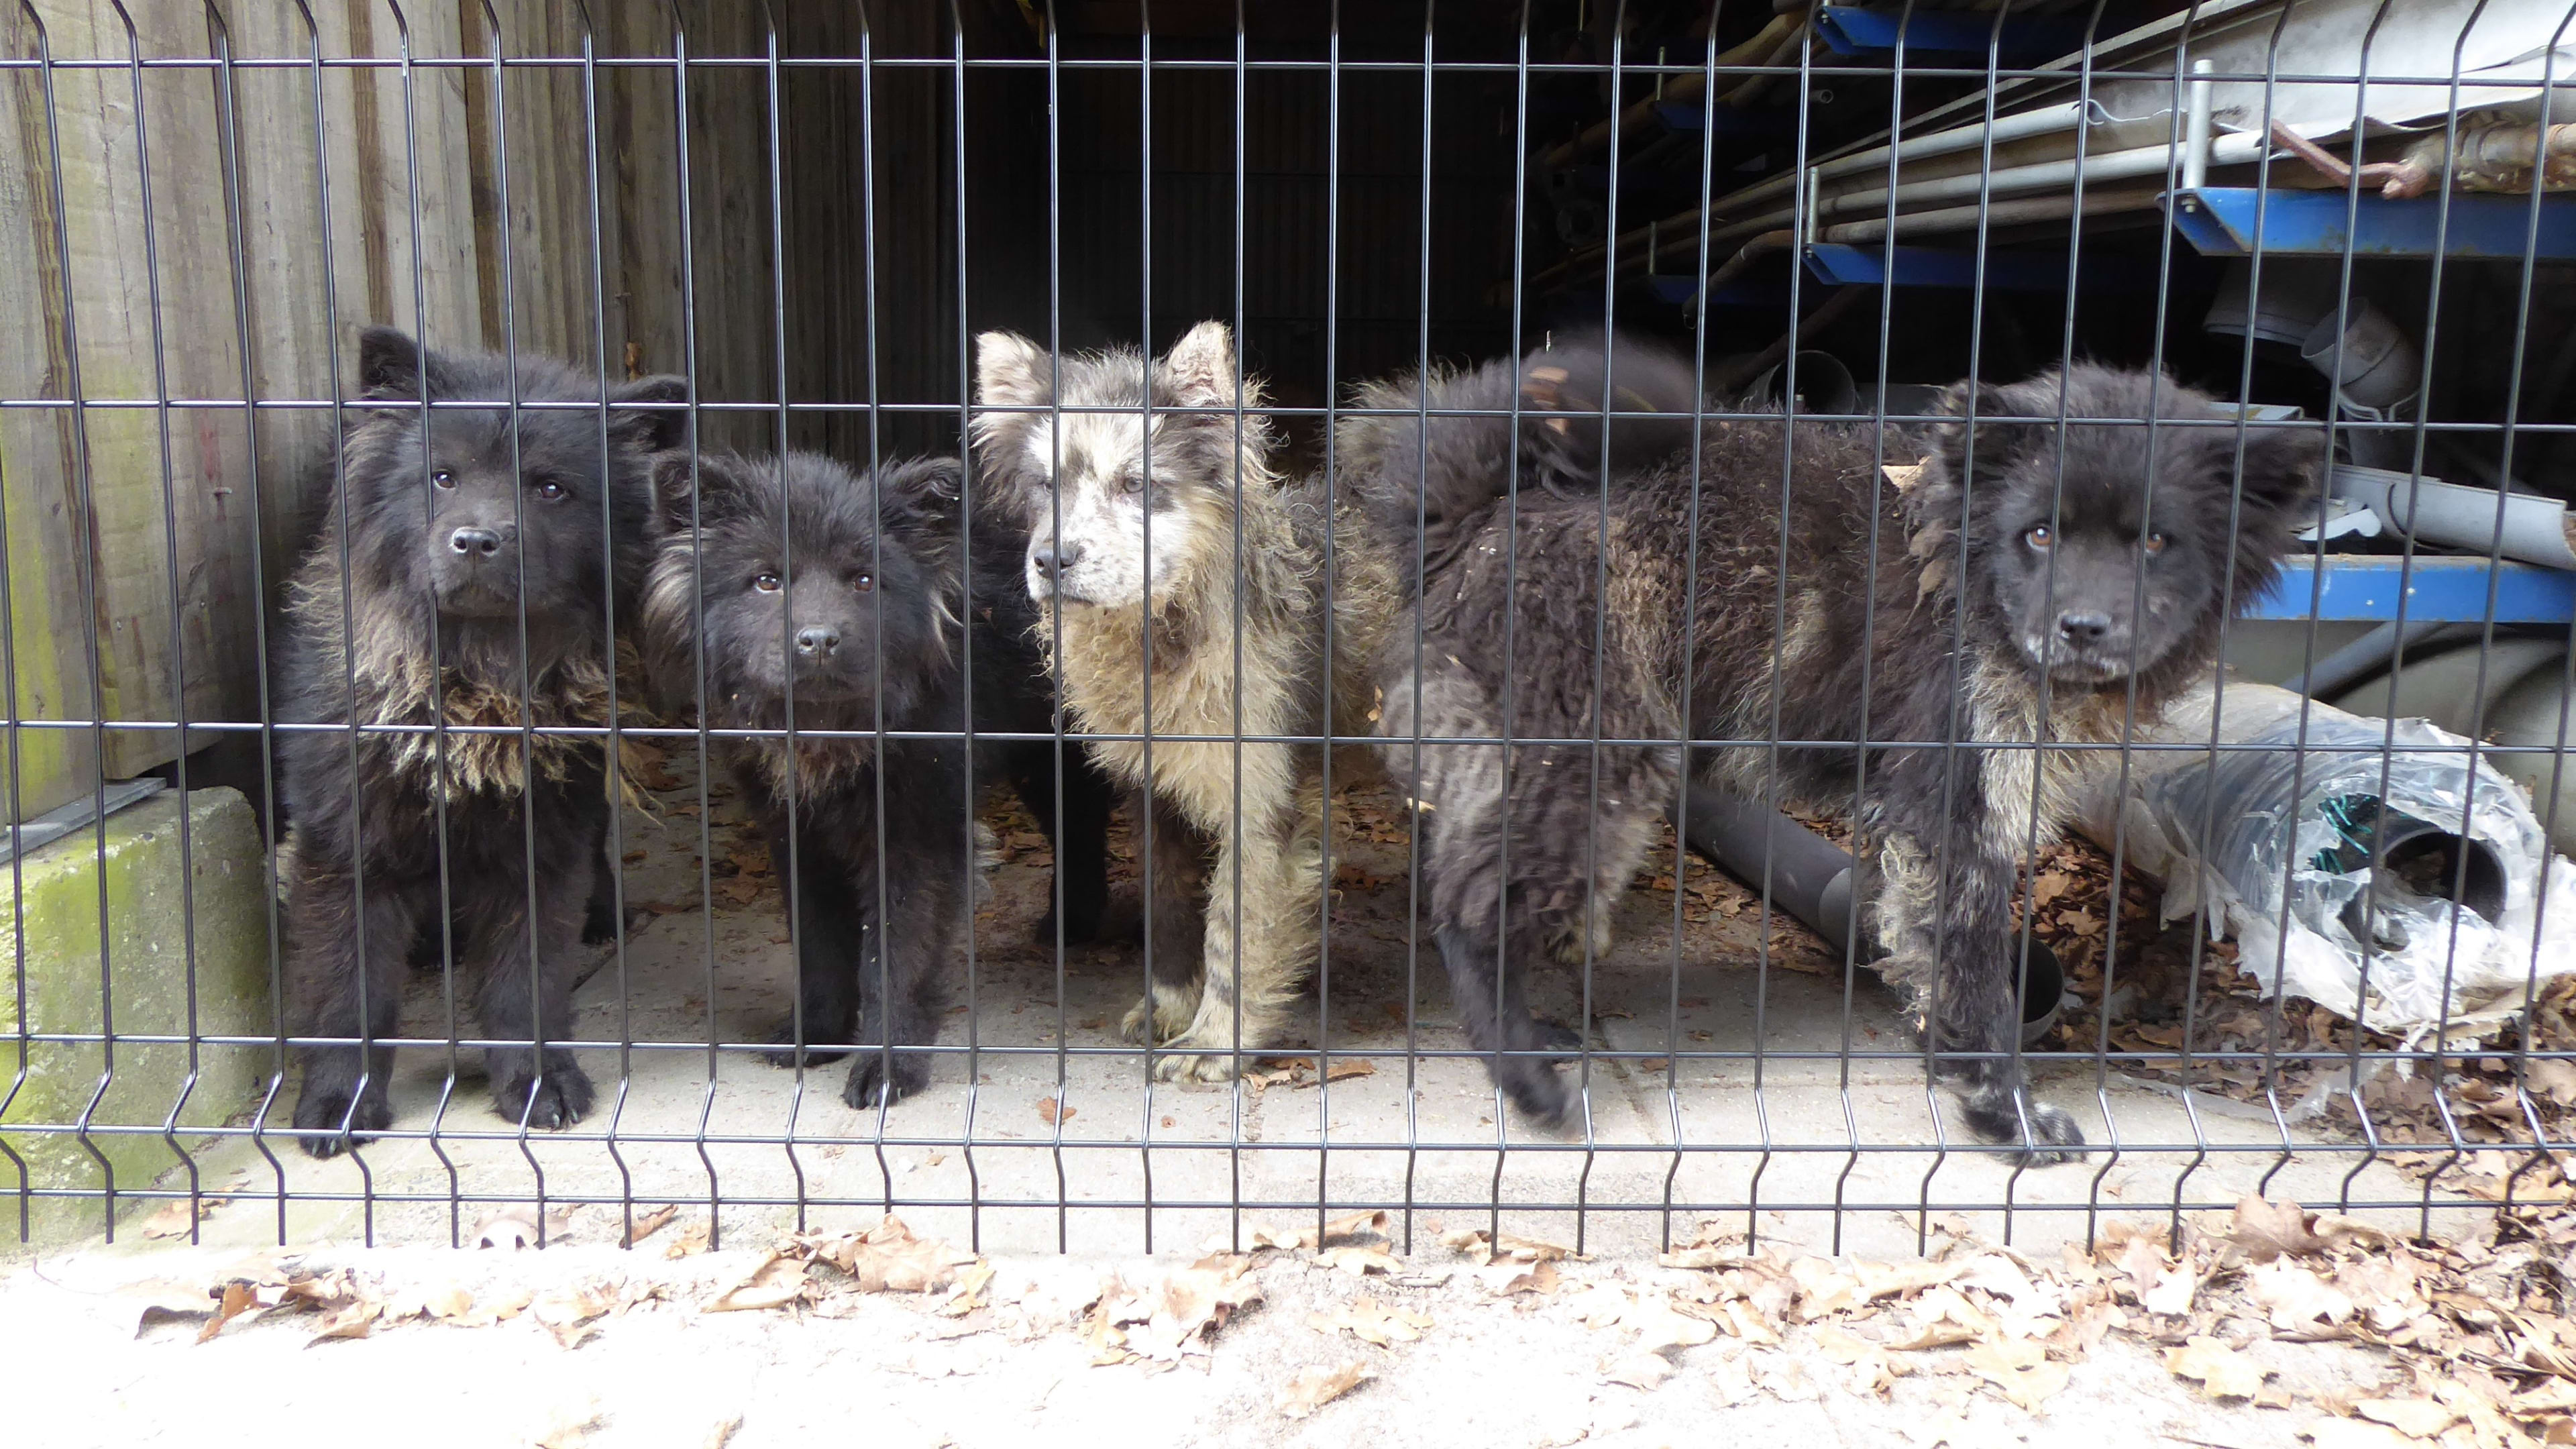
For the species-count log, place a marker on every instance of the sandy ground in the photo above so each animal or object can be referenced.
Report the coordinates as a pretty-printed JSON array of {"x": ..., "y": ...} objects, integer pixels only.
[{"x": 887, "y": 1369}]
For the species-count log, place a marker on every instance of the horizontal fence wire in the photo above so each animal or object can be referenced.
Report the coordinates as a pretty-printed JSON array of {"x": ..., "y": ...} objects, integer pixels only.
[{"x": 805, "y": 219}]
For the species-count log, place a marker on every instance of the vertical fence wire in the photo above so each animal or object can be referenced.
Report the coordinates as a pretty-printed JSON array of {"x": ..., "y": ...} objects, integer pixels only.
[{"x": 1764, "y": 1171}]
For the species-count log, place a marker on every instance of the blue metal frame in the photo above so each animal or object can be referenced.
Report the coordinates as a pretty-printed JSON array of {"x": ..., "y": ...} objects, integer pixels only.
[
  {"x": 1843, "y": 265},
  {"x": 2438, "y": 591},
  {"x": 2219, "y": 222},
  {"x": 1850, "y": 30}
]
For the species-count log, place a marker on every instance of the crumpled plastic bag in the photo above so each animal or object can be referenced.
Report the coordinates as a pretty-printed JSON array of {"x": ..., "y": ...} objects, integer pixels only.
[{"x": 2278, "y": 844}]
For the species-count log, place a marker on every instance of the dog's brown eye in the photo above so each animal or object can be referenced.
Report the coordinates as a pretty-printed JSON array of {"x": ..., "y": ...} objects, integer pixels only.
[
  {"x": 863, "y": 584},
  {"x": 766, "y": 583},
  {"x": 2040, "y": 537},
  {"x": 443, "y": 478},
  {"x": 550, "y": 490},
  {"x": 2154, "y": 545}
]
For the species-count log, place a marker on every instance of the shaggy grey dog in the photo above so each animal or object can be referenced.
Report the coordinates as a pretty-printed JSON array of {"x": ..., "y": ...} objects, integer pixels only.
[
  {"x": 1962, "y": 625},
  {"x": 1192, "y": 593}
]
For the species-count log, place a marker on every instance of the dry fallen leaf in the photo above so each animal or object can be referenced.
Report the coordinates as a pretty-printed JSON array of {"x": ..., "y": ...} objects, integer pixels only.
[
  {"x": 567, "y": 1312},
  {"x": 1504, "y": 1279},
  {"x": 2414, "y": 1418},
  {"x": 2176, "y": 1285},
  {"x": 179, "y": 1217},
  {"x": 569, "y": 1426},
  {"x": 495, "y": 1308},
  {"x": 1173, "y": 1319},
  {"x": 1054, "y": 1114},
  {"x": 1472, "y": 1242},
  {"x": 1299, "y": 1239},
  {"x": 2353, "y": 1434},
  {"x": 1370, "y": 1321},
  {"x": 779, "y": 1280},
  {"x": 721, "y": 1432},
  {"x": 2223, "y": 1372},
  {"x": 692, "y": 1240},
  {"x": 1315, "y": 1387},
  {"x": 649, "y": 1224},
  {"x": 2298, "y": 1301},
  {"x": 1660, "y": 1326},
  {"x": 349, "y": 1321},
  {"x": 238, "y": 1299},
  {"x": 1639, "y": 1370},
  {"x": 2019, "y": 1367},
  {"x": 888, "y": 1257},
  {"x": 2265, "y": 1230},
  {"x": 1359, "y": 1260}
]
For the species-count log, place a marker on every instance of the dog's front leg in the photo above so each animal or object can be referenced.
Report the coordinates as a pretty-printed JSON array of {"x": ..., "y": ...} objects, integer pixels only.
[
  {"x": 1175, "y": 912},
  {"x": 529, "y": 999},
  {"x": 1949, "y": 923},
  {"x": 1262, "y": 931},
  {"x": 913, "y": 921}
]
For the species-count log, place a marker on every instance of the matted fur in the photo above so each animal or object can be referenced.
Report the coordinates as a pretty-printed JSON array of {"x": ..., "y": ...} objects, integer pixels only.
[
  {"x": 1988, "y": 605},
  {"x": 798, "y": 580},
  {"x": 462, "y": 559},
  {"x": 1207, "y": 617}
]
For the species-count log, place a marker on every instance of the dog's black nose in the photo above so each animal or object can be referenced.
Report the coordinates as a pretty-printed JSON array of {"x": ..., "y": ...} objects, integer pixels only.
[
  {"x": 2077, "y": 628},
  {"x": 817, "y": 639},
  {"x": 475, "y": 540},
  {"x": 1052, "y": 562}
]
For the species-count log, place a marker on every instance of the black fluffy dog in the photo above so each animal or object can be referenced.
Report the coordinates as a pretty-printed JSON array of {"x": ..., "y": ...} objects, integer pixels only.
[
  {"x": 1983, "y": 605},
  {"x": 797, "y": 583},
  {"x": 462, "y": 538}
]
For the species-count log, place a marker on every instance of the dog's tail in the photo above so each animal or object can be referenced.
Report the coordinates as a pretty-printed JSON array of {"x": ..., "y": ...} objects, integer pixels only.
[{"x": 1591, "y": 406}]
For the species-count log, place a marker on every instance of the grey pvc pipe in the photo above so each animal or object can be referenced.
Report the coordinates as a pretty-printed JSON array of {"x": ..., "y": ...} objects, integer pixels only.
[
  {"x": 2357, "y": 660},
  {"x": 1811, "y": 878}
]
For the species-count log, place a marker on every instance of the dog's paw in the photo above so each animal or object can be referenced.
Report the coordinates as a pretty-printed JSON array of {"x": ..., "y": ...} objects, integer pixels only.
[
  {"x": 560, "y": 1098},
  {"x": 2053, "y": 1138},
  {"x": 1220, "y": 1066},
  {"x": 1536, "y": 1090},
  {"x": 1167, "y": 1014},
  {"x": 871, "y": 1080},
  {"x": 322, "y": 1114},
  {"x": 1556, "y": 1036},
  {"x": 599, "y": 924},
  {"x": 1567, "y": 946},
  {"x": 786, "y": 1056}
]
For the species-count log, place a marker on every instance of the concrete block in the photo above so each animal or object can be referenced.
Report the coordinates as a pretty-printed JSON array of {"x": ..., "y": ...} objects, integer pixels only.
[{"x": 185, "y": 954}]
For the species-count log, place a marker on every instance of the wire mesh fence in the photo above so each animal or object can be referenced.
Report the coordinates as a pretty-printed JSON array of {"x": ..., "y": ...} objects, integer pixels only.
[{"x": 1096, "y": 618}]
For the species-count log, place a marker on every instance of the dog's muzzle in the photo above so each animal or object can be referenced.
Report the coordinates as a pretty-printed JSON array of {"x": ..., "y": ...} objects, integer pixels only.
[{"x": 1049, "y": 568}]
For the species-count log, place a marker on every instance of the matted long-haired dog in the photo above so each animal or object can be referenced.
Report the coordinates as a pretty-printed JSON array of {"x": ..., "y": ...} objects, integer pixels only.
[
  {"x": 1188, "y": 590},
  {"x": 465, "y": 532},
  {"x": 1985, "y": 605},
  {"x": 847, "y": 598}
]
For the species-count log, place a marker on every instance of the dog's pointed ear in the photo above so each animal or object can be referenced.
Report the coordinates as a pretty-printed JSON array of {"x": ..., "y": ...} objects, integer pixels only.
[
  {"x": 1012, "y": 371},
  {"x": 1199, "y": 371},
  {"x": 2284, "y": 465},
  {"x": 692, "y": 488},
  {"x": 920, "y": 496},
  {"x": 919, "y": 500},
  {"x": 389, "y": 362},
  {"x": 654, "y": 428}
]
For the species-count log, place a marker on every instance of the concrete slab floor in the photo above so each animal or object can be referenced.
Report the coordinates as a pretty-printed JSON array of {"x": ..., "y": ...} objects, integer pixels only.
[{"x": 1775, "y": 1145}]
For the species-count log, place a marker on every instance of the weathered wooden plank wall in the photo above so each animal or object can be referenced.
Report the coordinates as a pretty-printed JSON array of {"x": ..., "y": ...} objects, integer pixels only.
[{"x": 292, "y": 204}]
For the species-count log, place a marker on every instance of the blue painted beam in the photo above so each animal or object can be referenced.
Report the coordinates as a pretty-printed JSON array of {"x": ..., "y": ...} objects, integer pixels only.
[
  {"x": 1679, "y": 288},
  {"x": 2219, "y": 222},
  {"x": 2438, "y": 590},
  {"x": 1851, "y": 30},
  {"x": 2021, "y": 270}
]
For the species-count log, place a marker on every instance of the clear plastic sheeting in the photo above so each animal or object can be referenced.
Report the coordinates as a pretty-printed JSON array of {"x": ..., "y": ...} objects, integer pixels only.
[{"x": 2343, "y": 870}]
